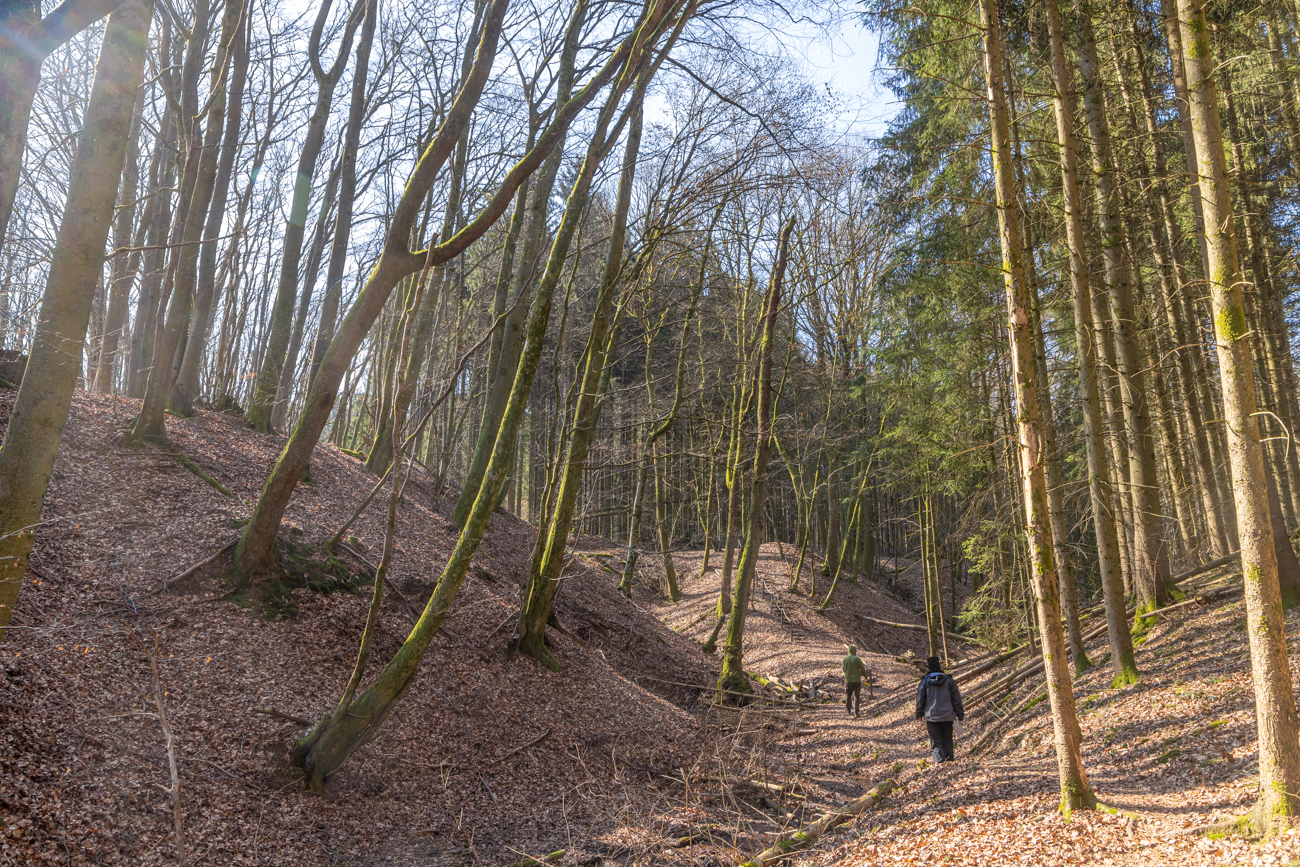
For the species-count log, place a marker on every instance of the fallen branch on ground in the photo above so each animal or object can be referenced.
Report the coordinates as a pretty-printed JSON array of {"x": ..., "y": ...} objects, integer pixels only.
[
  {"x": 539, "y": 862},
  {"x": 1208, "y": 567},
  {"x": 279, "y": 714},
  {"x": 196, "y": 567},
  {"x": 787, "y": 846},
  {"x": 990, "y": 664},
  {"x": 518, "y": 749},
  {"x": 1017, "y": 677},
  {"x": 713, "y": 689},
  {"x": 174, "y": 791}
]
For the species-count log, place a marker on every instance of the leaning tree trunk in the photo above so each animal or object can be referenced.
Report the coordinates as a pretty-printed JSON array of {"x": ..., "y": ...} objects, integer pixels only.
[
  {"x": 544, "y": 576},
  {"x": 31, "y": 440},
  {"x": 1076, "y": 793},
  {"x": 1275, "y": 709},
  {"x": 322, "y": 750},
  {"x": 733, "y": 678},
  {"x": 26, "y": 40}
]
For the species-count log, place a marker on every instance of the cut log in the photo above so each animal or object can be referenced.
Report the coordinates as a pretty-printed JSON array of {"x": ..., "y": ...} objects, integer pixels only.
[
  {"x": 914, "y": 627},
  {"x": 1208, "y": 567},
  {"x": 991, "y": 663}
]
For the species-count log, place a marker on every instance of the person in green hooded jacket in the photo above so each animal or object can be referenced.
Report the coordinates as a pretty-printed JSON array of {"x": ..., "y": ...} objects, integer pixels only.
[{"x": 855, "y": 671}]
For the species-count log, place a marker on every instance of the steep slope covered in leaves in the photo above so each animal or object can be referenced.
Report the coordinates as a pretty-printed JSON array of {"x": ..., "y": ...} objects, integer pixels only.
[{"x": 488, "y": 755}]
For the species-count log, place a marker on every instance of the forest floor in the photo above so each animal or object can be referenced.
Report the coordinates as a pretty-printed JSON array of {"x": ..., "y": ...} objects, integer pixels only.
[
  {"x": 618, "y": 759},
  {"x": 1169, "y": 757}
]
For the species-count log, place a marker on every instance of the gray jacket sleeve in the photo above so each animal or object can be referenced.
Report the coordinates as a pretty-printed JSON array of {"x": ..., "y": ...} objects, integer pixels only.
[
  {"x": 920, "y": 699},
  {"x": 955, "y": 694}
]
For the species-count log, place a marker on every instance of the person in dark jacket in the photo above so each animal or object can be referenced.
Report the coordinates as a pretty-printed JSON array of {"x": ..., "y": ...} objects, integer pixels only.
[{"x": 938, "y": 702}]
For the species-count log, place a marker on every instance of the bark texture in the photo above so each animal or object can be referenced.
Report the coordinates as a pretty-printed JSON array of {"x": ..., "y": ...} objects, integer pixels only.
[
  {"x": 41, "y": 409},
  {"x": 1275, "y": 709}
]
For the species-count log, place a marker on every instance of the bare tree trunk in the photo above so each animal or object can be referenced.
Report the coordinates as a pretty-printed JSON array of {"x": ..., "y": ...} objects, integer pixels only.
[
  {"x": 26, "y": 40},
  {"x": 40, "y": 411},
  {"x": 1275, "y": 709},
  {"x": 235, "y": 27},
  {"x": 1152, "y": 575},
  {"x": 347, "y": 192},
  {"x": 268, "y": 379},
  {"x": 733, "y": 678},
  {"x": 125, "y": 262},
  {"x": 1175, "y": 270},
  {"x": 197, "y": 181},
  {"x": 1076, "y": 793}
]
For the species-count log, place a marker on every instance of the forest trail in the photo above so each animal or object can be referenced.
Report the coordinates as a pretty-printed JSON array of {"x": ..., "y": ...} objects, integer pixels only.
[{"x": 1167, "y": 757}]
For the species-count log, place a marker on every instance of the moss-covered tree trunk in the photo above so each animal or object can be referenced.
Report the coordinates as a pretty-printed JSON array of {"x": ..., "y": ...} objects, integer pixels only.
[
  {"x": 733, "y": 475},
  {"x": 548, "y": 559},
  {"x": 31, "y": 441},
  {"x": 1275, "y": 709},
  {"x": 503, "y": 359},
  {"x": 663, "y": 524},
  {"x": 321, "y": 751},
  {"x": 845, "y": 556},
  {"x": 733, "y": 678},
  {"x": 1076, "y": 793}
]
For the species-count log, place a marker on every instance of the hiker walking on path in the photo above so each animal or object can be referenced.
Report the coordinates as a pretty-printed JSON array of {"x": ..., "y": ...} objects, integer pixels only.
[
  {"x": 938, "y": 702},
  {"x": 855, "y": 671}
]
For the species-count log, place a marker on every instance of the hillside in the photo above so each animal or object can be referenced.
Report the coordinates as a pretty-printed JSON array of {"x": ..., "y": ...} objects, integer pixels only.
[{"x": 487, "y": 756}]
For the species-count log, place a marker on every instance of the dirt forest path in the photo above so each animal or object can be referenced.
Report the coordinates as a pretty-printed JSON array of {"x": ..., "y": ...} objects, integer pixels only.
[{"x": 1167, "y": 757}]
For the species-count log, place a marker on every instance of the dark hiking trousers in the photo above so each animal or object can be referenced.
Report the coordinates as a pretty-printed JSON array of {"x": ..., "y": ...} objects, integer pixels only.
[
  {"x": 940, "y": 741},
  {"x": 853, "y": 697}
]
